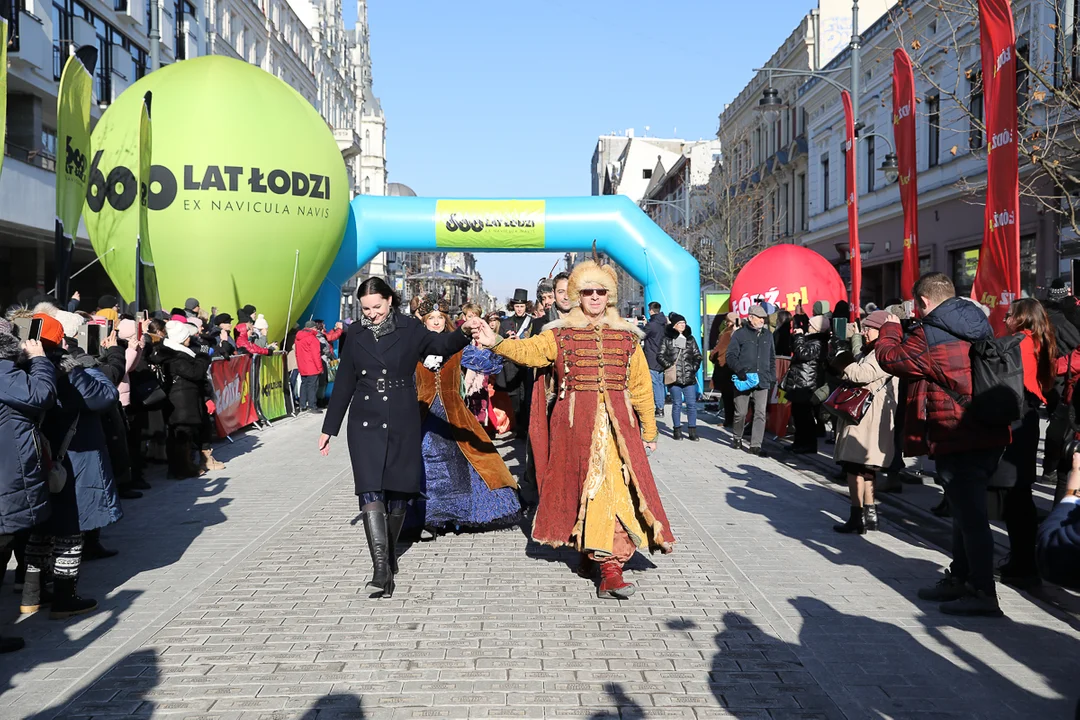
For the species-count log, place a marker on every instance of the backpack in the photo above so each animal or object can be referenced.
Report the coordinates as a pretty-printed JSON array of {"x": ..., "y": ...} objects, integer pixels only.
[{"x": 997, "y": 381}]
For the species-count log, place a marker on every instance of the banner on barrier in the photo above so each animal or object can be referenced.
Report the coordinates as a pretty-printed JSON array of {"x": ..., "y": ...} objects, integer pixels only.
[
  {"x": 232, "y": 394},
  {"x": 271, "y": 377}
]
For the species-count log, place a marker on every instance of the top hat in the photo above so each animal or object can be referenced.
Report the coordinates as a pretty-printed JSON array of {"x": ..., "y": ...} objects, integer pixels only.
[{"x": 521, "y": 297}]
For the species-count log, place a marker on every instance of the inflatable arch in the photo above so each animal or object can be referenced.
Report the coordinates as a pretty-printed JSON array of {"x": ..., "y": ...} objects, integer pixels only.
[{"x": 627, "y": 235}]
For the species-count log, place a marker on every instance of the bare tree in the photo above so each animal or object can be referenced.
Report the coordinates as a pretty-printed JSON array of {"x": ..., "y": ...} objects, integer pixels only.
[
  {"x": 942, "y": 38},
  {"x": 735, "y": 215}
]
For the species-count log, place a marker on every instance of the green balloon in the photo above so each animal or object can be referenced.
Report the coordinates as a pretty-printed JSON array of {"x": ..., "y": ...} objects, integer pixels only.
[{"x": 246, "y": 174}]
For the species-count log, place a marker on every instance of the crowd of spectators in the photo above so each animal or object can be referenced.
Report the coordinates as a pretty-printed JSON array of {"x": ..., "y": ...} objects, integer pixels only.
[{"x": 88, "y": 399}]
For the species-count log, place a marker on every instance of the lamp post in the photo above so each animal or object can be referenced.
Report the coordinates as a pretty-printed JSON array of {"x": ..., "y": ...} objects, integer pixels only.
[{"x": 771, "y": 105}]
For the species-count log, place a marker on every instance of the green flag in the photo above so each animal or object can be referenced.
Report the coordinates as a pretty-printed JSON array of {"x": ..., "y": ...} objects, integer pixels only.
[
  {"x": 146, "y": 289},
  {"x": 73, "y": 135}
]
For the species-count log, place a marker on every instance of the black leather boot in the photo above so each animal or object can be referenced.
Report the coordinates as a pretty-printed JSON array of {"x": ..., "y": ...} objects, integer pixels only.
[
  {"x": 378, "y": 539},
  {"x": 66, "y": 602},
  {"x": 870, "y": 518},
  {"x": 394, "y": 521},
  {"x": 854, "y": 524},
  {"x": 676, "y": 433},
  {"x": 692, "y": 434}
]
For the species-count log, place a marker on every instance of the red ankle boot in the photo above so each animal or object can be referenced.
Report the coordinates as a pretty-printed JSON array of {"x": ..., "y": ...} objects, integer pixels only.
[{"x": 612, "y": 585}]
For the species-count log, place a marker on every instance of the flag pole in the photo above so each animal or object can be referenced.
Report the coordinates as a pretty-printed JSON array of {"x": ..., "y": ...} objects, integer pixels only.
[{"x": 292, "y": 294}]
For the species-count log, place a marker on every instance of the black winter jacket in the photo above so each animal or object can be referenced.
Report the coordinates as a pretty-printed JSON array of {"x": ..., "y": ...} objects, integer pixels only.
[
  {"x": 654, "y": 338},
  {"x": 188, "y": 384},
  {"x": 686, "y": 360},
  {"x": 752, "y": 351},
  {"x": 27, "y": 391},
  {"x": 808, "y": 356}
]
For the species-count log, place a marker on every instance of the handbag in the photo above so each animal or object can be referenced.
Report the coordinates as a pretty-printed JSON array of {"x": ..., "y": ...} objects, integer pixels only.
[
  {"x": 746, "y": 385},
  {"x": 57, "y": 474},
  {"x": 850, "y": 402},
  {"x": 671, "y": 375},
  {"x": 147, "y": 391}
]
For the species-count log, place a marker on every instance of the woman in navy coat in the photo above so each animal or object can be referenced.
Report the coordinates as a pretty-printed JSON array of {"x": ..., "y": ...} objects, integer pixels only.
[{"x": 376, "y": 378}]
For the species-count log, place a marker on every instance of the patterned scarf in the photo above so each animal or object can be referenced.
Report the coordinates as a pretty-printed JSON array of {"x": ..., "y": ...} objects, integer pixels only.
[{"x": 384, "y": 328}]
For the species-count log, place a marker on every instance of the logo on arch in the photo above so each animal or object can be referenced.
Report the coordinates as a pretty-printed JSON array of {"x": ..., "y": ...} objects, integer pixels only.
[{"x": 477, "y": 224}]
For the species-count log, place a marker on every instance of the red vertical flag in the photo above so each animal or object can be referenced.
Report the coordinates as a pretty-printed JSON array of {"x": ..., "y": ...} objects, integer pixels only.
[
  {"x": 997, "y": 281},
  {"x": 903, "y": 99},
  {"x": 852, "y": 190}
]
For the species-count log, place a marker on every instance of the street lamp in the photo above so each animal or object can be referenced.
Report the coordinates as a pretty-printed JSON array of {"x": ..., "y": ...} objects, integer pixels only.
[
  {"x": 891, "y": 168},
  {"x": 770, "y": 105}
]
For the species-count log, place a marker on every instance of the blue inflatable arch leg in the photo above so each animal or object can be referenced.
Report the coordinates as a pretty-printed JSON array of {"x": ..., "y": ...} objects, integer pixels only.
[{"x": 621, "y": 230}]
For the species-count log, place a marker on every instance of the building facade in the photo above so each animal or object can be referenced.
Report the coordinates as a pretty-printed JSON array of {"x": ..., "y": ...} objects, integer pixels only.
[
  {"x": 303, "y": 42},
  {"x": 951, "y": 155}
]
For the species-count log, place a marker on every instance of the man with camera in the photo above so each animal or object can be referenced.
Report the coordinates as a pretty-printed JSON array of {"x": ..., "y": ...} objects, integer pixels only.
[{"x": 934, "y": 355}]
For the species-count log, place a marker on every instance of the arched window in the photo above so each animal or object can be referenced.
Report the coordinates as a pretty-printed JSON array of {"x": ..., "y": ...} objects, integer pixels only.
[{"x": 367, "y": 186}]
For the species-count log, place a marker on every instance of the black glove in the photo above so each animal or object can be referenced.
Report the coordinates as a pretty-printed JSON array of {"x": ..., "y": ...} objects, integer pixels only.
[{"x": 741, "y": 375}]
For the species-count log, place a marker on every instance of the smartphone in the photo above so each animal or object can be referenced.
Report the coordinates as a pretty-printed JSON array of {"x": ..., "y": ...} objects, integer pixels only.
[
  {"x": 839, "y": 328},
  {"x": 34, "y": 333},
  {"x": 94, "y": 336}
]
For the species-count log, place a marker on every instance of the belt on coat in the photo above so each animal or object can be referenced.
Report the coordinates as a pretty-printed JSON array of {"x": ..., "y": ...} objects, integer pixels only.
[{"x": 384, "y": 384}]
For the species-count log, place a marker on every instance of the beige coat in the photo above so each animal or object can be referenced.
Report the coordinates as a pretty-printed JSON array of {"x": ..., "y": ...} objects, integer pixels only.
[{"x": 872, "y": 442}]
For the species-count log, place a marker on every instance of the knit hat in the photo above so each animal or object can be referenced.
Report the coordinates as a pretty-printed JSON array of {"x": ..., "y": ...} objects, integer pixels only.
[
  {"x": 758, "y": 311},
  {"x": 818, "y": 323},
  {"x": 1058, "y": 291},
  {"x": 191, "y": 304},
  {"x": 51, "y": 329},
  {"x": 127, "y": 330},
  {"x": 261, "y": 324},
  {"x": 309, "y": 325},
  {"x": 107, "y": 301},
  {"x": 178, "y": 331},
  {"x": 675, "y": 318},
  {"x": 70, "y": 322},
  {"x": 875, "y": 319}
]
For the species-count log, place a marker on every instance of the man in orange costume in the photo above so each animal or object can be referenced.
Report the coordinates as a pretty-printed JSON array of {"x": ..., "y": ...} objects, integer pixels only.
[{"x": 597, "y": 491}]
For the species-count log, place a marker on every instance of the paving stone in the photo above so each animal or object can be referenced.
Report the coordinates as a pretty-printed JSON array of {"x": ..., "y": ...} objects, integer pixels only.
[{"x": 763, "y": 613}]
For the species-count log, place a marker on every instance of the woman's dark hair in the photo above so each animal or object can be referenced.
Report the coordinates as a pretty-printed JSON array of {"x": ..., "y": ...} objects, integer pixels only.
[
  {"x": 1029, "y": 314},
  {"x": 378, "y": 286},
  {"x": 155, "y": 326}
]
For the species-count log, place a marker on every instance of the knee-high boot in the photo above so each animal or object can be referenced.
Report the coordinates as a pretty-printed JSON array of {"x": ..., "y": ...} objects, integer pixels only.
[
  {"x": 378, "y": 539},
  {"x": 394, "y": 522}
]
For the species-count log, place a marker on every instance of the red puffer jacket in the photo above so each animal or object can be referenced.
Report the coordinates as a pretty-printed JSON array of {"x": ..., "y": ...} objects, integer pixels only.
[
  {"x": 933, "y": 356},
  {"x": 308, "y": 353}
]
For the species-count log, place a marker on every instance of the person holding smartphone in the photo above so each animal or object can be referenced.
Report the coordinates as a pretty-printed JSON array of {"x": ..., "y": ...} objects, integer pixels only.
[{"x": 27, "y": 392}]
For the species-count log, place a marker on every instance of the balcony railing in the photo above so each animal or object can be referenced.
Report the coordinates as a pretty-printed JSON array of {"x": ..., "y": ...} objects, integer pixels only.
[{"x": 37, "y": 158}]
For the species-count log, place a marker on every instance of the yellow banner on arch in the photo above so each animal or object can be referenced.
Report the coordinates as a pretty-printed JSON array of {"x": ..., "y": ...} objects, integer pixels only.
[{"x": 495, "y": 224}]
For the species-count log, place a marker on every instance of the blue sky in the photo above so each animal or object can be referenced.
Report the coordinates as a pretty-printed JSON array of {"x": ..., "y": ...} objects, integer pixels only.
[{"x": 503, "y": 98}]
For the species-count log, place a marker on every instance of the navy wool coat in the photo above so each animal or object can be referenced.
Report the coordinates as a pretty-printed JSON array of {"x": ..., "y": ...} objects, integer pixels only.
[
  {"x": 88, "y": 500},
  {"x": 25, "y": 396},
  {"x": 375, "y": 378}
]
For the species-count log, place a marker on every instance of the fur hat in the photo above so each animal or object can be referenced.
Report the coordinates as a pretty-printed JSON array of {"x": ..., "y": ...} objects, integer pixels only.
[
  {"x": 431, "y": 303},
  {"x": 592, "y": 272},
  {"x": 70, "y": 322}
]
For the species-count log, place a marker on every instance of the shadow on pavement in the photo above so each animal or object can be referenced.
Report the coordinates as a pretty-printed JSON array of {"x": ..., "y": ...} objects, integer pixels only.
[
  {"x": 1050, "y": 655},
  {"x": 137, "y": 686}
]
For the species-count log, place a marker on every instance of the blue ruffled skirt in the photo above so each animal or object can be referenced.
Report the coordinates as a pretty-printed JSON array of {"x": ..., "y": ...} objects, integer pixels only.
[{"x": 456, "y": 496}]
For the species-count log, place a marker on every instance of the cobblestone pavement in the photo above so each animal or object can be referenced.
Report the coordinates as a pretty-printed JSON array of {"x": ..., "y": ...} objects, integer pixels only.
[{"x": 239, "y": 596}]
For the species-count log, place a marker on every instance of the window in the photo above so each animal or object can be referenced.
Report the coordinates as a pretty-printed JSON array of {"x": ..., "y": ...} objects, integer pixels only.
[
  {"x": 62, "y": 32},
  {"x": 184, "y": 10},
  {"x": 367, "y": 186},
  {"x": 48, "y": 140},
  {"x": 964, "y": 264},
  {"x": 825, "y": 182},
  {"x": 785, "y": 219},
  {"x": 646, "y": 174},
  {"x": 800, "y": 190},
  {"x": 871, "y": 162},
  {"x": 975, "y": 107},
  {"x": 933, "y": 129}
]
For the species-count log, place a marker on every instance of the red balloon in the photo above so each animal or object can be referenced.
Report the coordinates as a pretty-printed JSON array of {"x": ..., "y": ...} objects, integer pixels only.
[{"x": 786, "y": 275}]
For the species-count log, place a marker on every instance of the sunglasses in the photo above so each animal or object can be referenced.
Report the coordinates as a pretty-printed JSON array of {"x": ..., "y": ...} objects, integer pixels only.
[{"x": 589, "y": 292}]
